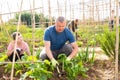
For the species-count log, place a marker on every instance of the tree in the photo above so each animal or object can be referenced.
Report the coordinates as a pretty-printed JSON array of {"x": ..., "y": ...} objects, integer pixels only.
[{"x": 26, "y": 17}]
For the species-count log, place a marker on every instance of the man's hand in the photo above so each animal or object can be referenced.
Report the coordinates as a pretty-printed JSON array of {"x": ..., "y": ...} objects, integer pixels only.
[
  {"x": 68, "y": 59},
  {"x": 54, "y": 62}
]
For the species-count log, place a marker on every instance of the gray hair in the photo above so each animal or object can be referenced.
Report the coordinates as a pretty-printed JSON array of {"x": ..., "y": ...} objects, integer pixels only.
[{"x": 60, "y": 19}]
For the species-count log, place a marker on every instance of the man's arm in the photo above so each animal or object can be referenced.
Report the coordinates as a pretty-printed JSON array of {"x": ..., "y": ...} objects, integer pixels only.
[
  {"x": 48, "y": 51},
  {"x": 75, "y": 50}
]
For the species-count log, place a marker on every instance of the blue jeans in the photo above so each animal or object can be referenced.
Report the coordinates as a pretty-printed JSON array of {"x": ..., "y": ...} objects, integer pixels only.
[{"x": 66, "y": 49}]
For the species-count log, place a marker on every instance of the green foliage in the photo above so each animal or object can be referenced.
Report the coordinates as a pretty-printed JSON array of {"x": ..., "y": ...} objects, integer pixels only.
[
  {"x": 84, "y": 55},
  {"x": 27, "y": 36},
  {"x": 79, "y": 43},
  {"x": 2, "y": 37},
  {"x": 26, "y": 17},
  {"x": 11, "y": 28},
  {"x": 23, "y": 29},
  {"x": 35, "y": 71},
  {"x": 17, "y": 67},
  {"x": 39, "y": 33},
  {"x": 8, "y": 68},
  {"x": 38, "y": 53},
  {"x": 43, "y": 70},
  {"x": 73, "y": 67},
  {"x": 91, "y": 42},
  {"x": 3, "y": 42},
  {"x": 3, "y": 57},
  {"x": 41, "y": 43},
  {"x": 47, "y": 20},
  {"x": 107, "y": 42},
  {"x": 38, "y": 71},
  {"x": 88, "y": 34}
]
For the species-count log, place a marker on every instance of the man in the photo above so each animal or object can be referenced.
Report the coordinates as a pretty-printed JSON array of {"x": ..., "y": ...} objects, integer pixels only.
[
  {"x": 111, "y": 22},
  {"x": 21, "y": 47},
  {"x": 73, "y": 26},
  {"x": 55, "y": 39}
]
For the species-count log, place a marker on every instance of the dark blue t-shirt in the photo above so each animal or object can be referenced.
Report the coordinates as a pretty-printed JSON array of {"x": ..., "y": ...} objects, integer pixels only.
[{"x": 56, "y": 39}]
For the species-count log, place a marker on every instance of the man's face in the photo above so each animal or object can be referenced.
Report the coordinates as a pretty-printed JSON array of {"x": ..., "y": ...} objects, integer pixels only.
[{"x": 60, "y": 26}]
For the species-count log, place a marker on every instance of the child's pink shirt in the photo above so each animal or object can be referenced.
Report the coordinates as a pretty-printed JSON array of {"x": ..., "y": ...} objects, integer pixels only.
[{"x": 24, "y": 47}]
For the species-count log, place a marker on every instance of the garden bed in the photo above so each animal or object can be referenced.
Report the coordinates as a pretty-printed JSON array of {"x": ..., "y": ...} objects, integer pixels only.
[{"x": 101, "y": 70}]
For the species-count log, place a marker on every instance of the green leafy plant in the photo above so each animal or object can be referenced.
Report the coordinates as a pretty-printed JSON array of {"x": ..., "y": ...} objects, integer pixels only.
[
  {"x": 84, "y": 55},
  {"x": 107, "y": 43},
  {"x": 17, "y": 67},
  {"x": 72, "y": 68},
  {"x": 3, "y": 57},
  {"x": 38, "y": 71}
]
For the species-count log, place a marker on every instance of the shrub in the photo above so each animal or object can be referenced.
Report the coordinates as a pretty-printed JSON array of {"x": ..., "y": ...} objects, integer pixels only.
[{"x": 107, "y": 43}]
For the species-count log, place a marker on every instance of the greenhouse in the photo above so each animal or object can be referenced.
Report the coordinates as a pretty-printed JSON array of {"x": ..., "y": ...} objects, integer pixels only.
[{"x": 59, "y": 40}]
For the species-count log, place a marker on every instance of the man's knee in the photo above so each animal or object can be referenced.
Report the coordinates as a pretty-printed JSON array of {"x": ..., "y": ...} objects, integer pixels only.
[
  {"x": 43, "y": 55},
  {"x": 67, "y": 49}
]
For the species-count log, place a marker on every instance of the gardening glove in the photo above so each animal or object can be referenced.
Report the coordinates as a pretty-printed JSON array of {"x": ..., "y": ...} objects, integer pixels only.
[
  {"x": 68, "y": 59},
  {"x": 54, "y": 62},
  {"x": 18, "y": 49}
]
